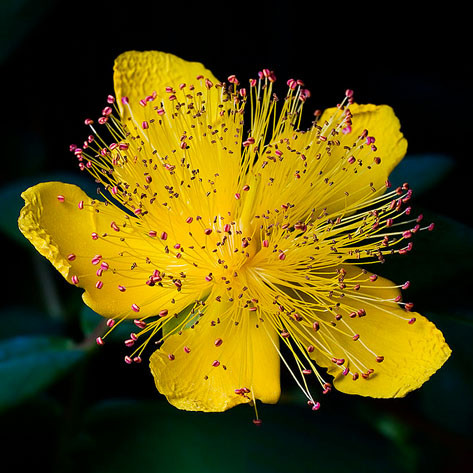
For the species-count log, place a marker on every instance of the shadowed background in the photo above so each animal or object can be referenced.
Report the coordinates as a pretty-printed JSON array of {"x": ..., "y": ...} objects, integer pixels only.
[{"x": 67, "y": 405}]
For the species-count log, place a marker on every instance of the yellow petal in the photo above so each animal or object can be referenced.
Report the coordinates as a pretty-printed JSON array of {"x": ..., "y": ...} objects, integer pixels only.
[
  {"x": 412, "y": 352},
  {"x": 185, "y": 367},
  {"x": 382, "y": 124},
  {"x": 138, "y": 75},
  {"x": 63, "y": 233}
]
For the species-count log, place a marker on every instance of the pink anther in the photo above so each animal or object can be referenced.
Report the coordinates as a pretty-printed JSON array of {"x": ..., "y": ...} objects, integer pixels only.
[{"x": 96, "y": 259}]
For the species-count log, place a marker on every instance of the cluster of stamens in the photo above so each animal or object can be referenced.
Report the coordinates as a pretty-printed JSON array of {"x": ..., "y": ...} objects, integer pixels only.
[{"x": 252, "y": 220}]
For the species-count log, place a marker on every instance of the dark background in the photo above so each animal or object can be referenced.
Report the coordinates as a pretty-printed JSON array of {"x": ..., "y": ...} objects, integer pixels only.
[{"x": 68, "y": 406}]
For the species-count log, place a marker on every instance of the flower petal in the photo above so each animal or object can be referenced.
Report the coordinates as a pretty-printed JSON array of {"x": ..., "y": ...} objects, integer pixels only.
[
  {"x": 409, "y": 352},
  {"x": 137, "y": 75},
  {"x": 200, "y": 368},
  {"x": 81, "y": 241},
  {"x": 391, "y": 146}
]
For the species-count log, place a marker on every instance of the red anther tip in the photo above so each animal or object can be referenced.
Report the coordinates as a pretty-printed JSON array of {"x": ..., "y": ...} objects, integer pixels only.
[
  {"x": 316, "y": 406},
  {"x": 380, "y": 359},
  {"x": 99, "y": 341},
  {"x": 257, "y": 421},
  {"x": 411, "y": 321},
  {"x": 349, "y": 93},
  {"x": 406, "y": 285},
  {"x": 215, "y": 363},
  {"x": 431, "y": 227}
]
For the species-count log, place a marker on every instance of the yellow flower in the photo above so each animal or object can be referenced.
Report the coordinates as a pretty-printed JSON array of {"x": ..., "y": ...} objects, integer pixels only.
[{"x": 235, "y": 243}]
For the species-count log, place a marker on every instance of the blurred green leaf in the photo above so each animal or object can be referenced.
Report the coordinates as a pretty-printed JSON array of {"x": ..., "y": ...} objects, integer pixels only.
[
  {"x": 11, "y": 202},
  {"x": 399, "y": 433},
  {"x": 446, "y": 397},
  {"x": 441, "y": 259},
  {"x": 29, "y": 364},
  {"x": 17, "y": 17},
  {"x": 152, "y": 436},
  {"x": 422, "y": 172},
  {"x": 20, "y": 320}
]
